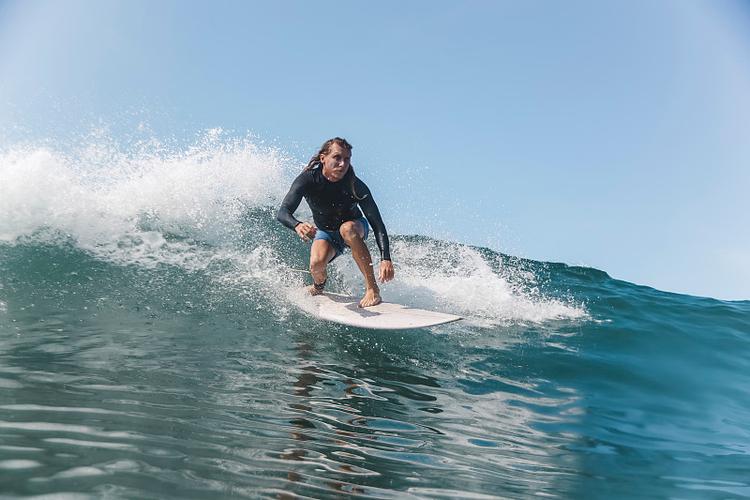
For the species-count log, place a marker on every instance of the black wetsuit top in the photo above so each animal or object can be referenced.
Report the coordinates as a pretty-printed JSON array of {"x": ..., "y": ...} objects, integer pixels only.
[{"x": 332, "y": 204}]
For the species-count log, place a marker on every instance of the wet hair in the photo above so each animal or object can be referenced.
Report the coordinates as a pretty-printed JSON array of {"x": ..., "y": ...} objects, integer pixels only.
[{"x": 324, "y": 149}]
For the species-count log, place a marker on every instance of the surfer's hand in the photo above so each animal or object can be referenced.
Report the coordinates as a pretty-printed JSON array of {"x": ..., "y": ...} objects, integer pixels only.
[
  {"x": 305, "y": 231},
  {"x": 386, "y": 271}
]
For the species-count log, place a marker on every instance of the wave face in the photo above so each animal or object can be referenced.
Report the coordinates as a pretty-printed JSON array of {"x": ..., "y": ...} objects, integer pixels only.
[{"x": 152, "y": 348}]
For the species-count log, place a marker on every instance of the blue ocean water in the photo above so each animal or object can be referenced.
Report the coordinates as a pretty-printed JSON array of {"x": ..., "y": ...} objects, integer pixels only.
[{"x": 151, "y": 347}]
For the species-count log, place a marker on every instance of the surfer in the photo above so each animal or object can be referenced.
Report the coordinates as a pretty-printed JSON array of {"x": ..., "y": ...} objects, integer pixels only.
[{"x": 335, "y": 195}]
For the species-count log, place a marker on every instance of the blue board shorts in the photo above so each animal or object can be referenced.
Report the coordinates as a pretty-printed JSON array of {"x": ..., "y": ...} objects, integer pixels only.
[{"x": 335, "y": 239}]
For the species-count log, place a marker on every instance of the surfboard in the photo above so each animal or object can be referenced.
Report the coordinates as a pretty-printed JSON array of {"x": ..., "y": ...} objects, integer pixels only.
[{"x": 344, "y": 309}]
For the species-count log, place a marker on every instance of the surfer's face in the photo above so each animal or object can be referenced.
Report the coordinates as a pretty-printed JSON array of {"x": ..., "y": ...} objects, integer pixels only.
[{"x": 335, "y": 162}]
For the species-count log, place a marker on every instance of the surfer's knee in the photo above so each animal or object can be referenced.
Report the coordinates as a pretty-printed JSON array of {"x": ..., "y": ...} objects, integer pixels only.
[{"x": 349, "y": 231}]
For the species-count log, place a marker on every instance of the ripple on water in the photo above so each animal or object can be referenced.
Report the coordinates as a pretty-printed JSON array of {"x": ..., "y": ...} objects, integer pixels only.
[
  {"x": 19, "y": 464},
  {"x": 79, "y": 472},
  {"x": 6, "y": 383}
]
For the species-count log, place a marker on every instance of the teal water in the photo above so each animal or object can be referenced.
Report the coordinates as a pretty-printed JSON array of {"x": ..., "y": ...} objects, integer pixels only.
[{"x": 150, "y": 348}]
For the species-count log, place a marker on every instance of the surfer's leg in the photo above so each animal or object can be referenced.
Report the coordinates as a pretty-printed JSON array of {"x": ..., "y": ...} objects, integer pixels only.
[
  {"x": 353, "y": 234},
  {"x": 321, "y": 254}
]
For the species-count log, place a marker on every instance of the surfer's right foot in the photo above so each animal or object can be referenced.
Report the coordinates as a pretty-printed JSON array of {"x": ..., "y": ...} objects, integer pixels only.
[{"x": 316, "y": 288}]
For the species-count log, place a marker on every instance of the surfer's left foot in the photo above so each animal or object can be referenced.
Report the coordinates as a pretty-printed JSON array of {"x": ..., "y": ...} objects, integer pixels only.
[{"x": 371, "y": 298}]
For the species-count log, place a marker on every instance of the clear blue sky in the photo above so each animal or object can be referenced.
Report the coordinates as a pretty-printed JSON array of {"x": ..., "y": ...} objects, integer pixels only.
[{"x": 610, "y": 134}]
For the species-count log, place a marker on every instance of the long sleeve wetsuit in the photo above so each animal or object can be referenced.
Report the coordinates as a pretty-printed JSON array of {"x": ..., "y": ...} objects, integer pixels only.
[{"x": 332, "y": 204}]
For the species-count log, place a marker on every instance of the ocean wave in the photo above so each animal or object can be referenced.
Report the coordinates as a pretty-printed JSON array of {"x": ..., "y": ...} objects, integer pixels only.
[{"x": 210, "y": 206}]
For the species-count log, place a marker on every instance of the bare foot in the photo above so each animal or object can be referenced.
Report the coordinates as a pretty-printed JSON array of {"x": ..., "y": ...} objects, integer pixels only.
[
  {"x": 314, "y": 291},
  {"x": 371, "y": 298}
]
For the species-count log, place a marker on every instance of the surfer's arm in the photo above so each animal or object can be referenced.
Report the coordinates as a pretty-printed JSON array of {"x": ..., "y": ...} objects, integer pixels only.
[
  {"x": 291, "y": 202},
  {"x": 370, "y": 209}
]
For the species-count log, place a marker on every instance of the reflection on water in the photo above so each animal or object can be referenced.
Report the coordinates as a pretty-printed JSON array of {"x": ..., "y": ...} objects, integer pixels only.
[
  {"x": 375, "y": 425},
  {"x": 304, "y": 430}
]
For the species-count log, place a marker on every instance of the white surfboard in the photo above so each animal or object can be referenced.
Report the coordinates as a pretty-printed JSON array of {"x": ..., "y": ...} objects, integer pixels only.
[{"x": 345, "y": 309}]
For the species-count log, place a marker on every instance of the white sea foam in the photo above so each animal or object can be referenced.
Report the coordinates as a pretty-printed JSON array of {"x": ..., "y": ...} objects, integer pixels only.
[
  {"x": 155, "y": 206},
  {"x": 103, "y": 198},
  {"x": 458, "y": 279}
]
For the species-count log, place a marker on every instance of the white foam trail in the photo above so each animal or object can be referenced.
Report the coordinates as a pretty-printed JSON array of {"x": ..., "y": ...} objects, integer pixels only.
[
  {"x": 262, "y": 268},
  {"x": 457, "y": 279}
]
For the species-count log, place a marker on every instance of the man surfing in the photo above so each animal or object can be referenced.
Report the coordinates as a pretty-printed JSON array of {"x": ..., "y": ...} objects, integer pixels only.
[{"x": 335, "y": 195}]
